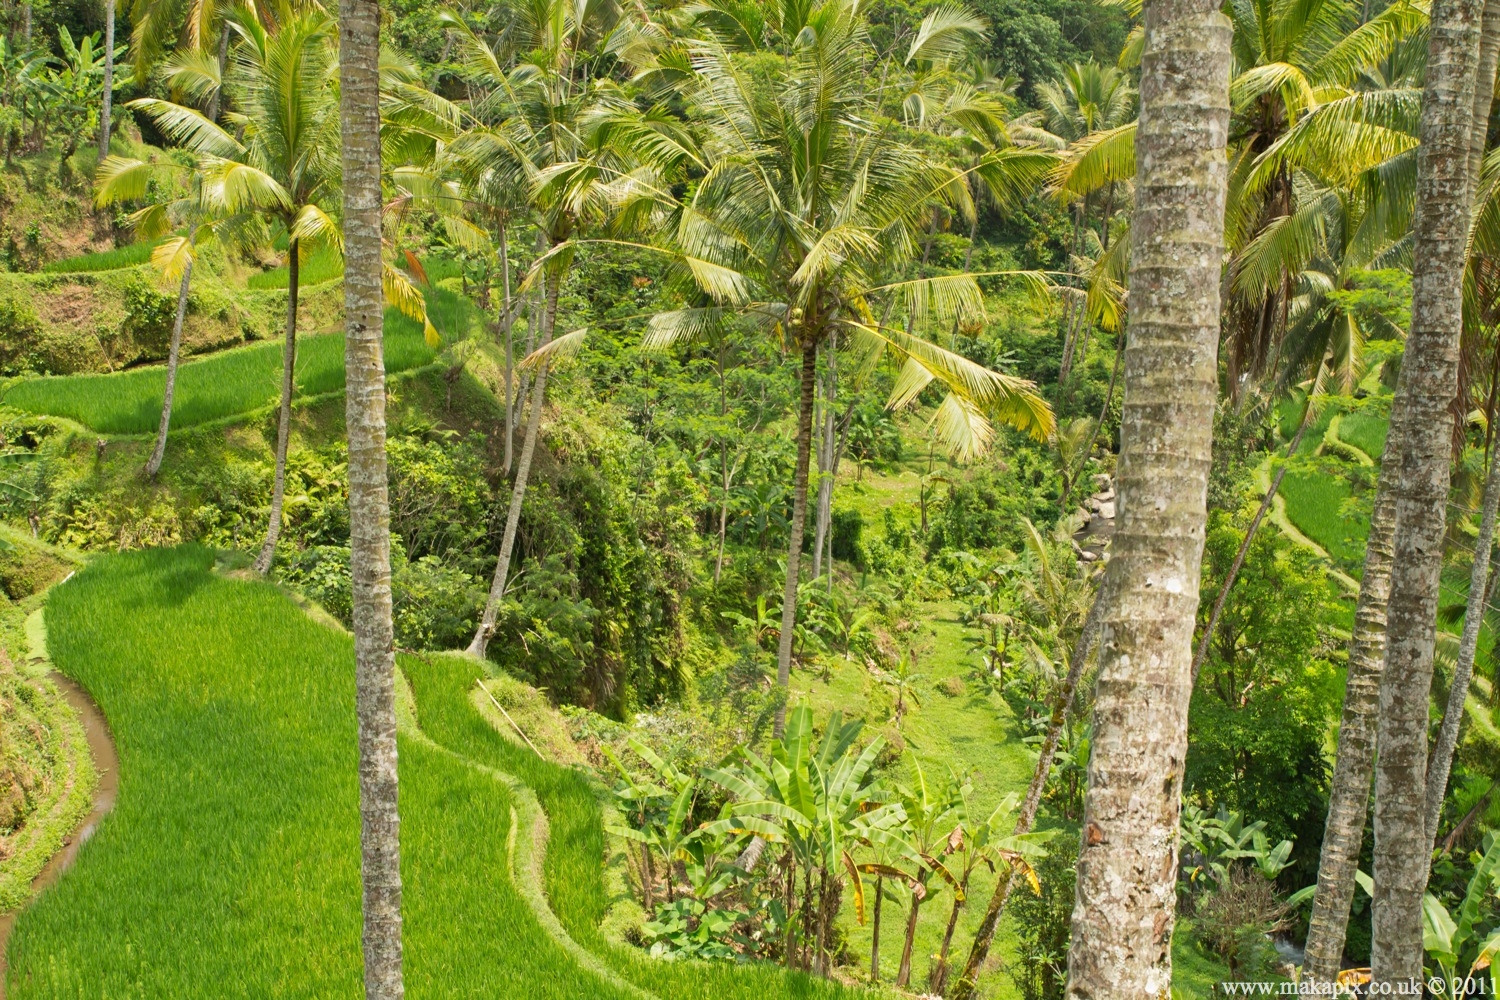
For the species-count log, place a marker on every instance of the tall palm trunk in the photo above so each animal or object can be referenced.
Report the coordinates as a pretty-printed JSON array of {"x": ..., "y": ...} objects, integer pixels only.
[
  {"x": 509, "y": 322},
  {"x": 1422, "y": 406},
  {"x": 215, "y": 102},
  {"x": 284, "y": 423},
  {"x": 799, "y": 521},
  {"x": 828, "y": 467},
  {"x": 369, "y": 509},
  {"x": 1441, "y": 760},
  {"x": 1127, "y": 866},
  {"x": 109, "y": 79},
  {"x": 1354, "y": 766},
  {"x": 153, "y": 464},
  {"x": 985, "y": 936},
  {"x": 481, "y": 642}
]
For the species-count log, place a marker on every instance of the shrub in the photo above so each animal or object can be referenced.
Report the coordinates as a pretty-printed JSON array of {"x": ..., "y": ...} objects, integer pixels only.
[
  {"x": 1044, "y": 924},
  {"x": 1236, "y": 920}
]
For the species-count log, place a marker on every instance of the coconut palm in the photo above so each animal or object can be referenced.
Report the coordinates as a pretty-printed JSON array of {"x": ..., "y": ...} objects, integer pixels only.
[
  {"x": 1422, "y": 423},
  {"x": 540, "y": 128},
  {"x": 359, "y": 129},
  {"x": 127, "y": 180},
  {"x": 285, "y": 170},
  {"x": 793, "y": 233},
  {"x": 1126, "y": 894}
]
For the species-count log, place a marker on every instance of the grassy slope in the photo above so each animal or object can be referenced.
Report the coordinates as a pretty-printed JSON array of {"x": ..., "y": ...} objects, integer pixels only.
[
  {"x": 573, "y": 872},
  {"x": 230, "y": 867}
]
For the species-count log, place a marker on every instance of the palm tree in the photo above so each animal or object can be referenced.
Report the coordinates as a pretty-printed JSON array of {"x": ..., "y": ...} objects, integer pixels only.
[
  {"x": 285, "y": 169},
  {"x": 125, "y": 180},
  {"x": 1127, "y": 872},
  {"x": 109, "y": 80},
  {"x": 540, "y": 129},
  {"x": 369, "y": 510},
  {"x": 1422, "y": 421},
  {"x": 796, "y": 243}
]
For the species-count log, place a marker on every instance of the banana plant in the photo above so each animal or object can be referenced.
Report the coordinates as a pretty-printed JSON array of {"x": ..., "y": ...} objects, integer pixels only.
[
  {"x": 1448, "y": 941},
  {"x": 935, "y": 817},
  {"x": 659, "y": 811},
  {"x": 817, "y": 801},
  {"x": 986, "y": 841}
]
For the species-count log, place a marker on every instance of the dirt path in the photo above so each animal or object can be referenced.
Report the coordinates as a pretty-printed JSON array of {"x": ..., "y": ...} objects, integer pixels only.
[{"x": 107, "y": 764}]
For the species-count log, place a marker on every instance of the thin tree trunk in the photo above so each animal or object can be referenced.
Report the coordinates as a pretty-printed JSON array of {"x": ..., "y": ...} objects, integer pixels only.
[
  {"x": 215, "y": 101},
  {"x": 985, "y": 936},
  {"x": 153, "y": 464},
  {"x": 369, "y": 508},
  {"x": 109, "y": 80},
  {"x": 1127, "y": 866},
  {"x": 1479, "y": 590},
  {"x": 826, "y": 465},
  {"x": 875, "y": 930},
  {"x": 480, "y": 645},
  {"x": 509, "y": 322},
  {"x": 937, "y": 980},
  {"x": 1239, "y": 557},
  {"x": 284, "y": 424},
  {"x": 903, "y": 975},
  {"x": 1354, "y": 765},
  {"x": 1422, "y": 405},
  {"x": 1109, "y": 397},
  {"x": 799, "y": 519}
]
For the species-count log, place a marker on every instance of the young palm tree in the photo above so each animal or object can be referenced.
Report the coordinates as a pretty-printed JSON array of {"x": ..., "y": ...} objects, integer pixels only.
[
  {"x": 1422, "y": 421},
  {"x": 285, "y": 169},
  {"x": 800, "y": 207},
  {"x": 369, "y": 510},
  {"x": 1127, "y": 867},
  {"x": 125, "y": 180},
  {"x": 539, "y": 130}
]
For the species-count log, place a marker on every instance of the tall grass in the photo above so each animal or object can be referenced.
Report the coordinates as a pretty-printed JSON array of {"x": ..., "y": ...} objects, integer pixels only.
[
  {"x": 222, "y": 385},
  {"x": 321, "y": 265},
  {"x": 1366, "y": 430},
  {"x": 230, "y": 866},
  {"x": 105, "y": 260},
  {"x": 573, "y": 871}
]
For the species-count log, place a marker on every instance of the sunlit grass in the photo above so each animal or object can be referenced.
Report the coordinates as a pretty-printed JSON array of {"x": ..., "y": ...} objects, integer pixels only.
[
  {"x": 1366, "y": 430},
  {"x": 318, "y": 267},
  {"x": 1315, "y": 504},
  {"x": 230, "y": 866},
  {"x": 221, "y": 385},
  {"x": 105, "y": 260},
  {"x": 574, "y": 872}
]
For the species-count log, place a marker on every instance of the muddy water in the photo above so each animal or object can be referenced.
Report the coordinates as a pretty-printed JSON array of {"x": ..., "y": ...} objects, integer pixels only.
[{"x": 106, "y": 764}]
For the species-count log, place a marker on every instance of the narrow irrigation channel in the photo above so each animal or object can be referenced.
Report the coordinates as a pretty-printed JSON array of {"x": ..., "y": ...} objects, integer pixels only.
[{"x": 107, "y": 766}]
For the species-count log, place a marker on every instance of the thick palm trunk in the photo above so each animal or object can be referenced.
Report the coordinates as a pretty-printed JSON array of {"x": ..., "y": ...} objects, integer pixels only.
[
  {"x": 1422, "y": 406},
  {"x": 153, "y": 464},
  {"x": 369, "y": 510},
  {"x": 1441, "y": 760},
  {"x": 979, "y": 951},
  {"x": 480, "y": 645},
  {"x": 109, "y": 79},
  {"x": 1244, "y": 549},
  {"x": 799, "y": 520},
  {"x": 1354, "y": 766},
  {"x": 1127, "y": 867},
  {"x": 284, "y": 422}
]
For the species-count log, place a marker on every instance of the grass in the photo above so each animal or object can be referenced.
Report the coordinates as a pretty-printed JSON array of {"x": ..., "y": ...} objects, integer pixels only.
[
  {"x": 320, "y": 266},
  {"x": 219, "y": 386},
  {"x": 1315, "y": 505},
  {"x": 230, "y": 867},
  {"x": 573, "y": 873},
  {"x": 1366, "y": 429},
  {"x": 105, "y": 260}
]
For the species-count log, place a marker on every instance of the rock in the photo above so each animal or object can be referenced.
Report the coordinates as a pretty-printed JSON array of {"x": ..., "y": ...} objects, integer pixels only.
[
  {"x": 1105, "y": 495},
  {"x": 1107, "y": 510},
  {"x": 1102, "y": 481},
  {"x": 1092, "y": 503},
  {"x": 1088, "y": 555}
]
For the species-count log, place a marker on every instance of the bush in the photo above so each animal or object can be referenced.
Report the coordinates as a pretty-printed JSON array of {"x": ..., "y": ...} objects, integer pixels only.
[
  {"x": 1236, "y": 920},
  {"x": 1044, "y": 924}
]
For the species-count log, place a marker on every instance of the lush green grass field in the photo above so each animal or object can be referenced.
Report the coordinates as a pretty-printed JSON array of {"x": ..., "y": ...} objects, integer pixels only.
[
  {"x": 212, "y": 388},
  {"x": 573, "y": 872},
  {"x": 1314, "y": 504},
  {"x": 105, "y": 260},
  {"x": 1366, "y": 429},
  {"x": 230, "y": 867},
  {"x": 318, "y": 267}
]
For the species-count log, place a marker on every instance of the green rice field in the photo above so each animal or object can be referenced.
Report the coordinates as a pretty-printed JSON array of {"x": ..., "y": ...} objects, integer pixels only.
[
  {"x": 1366, "y": 429},
  {"x": 230, "y": 866},
  {"x": 105, "y": 260},
  {"x": 320, "y": 266},
  {"x": 1314, "y": 504}
]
